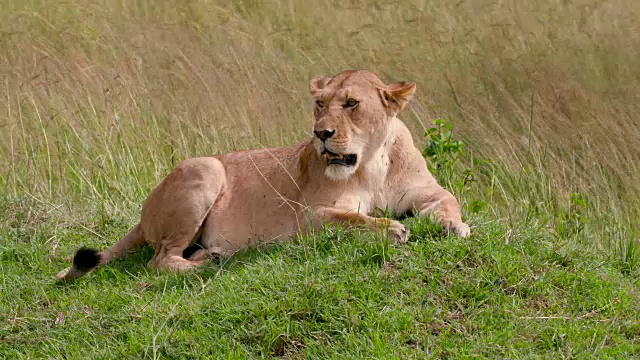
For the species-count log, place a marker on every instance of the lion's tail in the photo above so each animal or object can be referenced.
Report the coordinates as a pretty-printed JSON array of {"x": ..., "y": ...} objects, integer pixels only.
[{"x": 86, "y": 260}]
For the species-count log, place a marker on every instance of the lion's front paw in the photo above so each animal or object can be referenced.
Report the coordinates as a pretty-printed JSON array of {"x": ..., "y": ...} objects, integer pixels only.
[
  {"x": 397, "y": 232},
  {"x": 461, "y": 230}
]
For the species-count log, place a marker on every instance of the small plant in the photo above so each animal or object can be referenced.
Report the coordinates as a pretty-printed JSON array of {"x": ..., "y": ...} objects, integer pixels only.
[
  {"x": 442, "y": 151},
  {"x": 443, "y": 154}
]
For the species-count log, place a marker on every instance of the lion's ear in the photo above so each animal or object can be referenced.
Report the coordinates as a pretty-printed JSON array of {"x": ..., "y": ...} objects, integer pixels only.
[
  {"x": 396, "y": 96},
  {"x": 317, "y": 84}
]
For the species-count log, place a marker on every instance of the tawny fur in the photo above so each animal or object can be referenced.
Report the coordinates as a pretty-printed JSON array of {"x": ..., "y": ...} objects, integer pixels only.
[{"x": 247, "y": 198}]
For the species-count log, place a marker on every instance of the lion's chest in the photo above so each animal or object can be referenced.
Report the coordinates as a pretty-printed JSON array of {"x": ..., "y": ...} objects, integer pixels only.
[
  {"x": 369, "y": 192},
  {"x": 378, "y": 170}
]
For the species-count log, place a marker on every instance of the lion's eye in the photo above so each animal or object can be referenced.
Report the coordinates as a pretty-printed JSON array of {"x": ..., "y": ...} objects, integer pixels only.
[
  {"x": 350, "y": 103},
  {"x": 319, "y": 103}
]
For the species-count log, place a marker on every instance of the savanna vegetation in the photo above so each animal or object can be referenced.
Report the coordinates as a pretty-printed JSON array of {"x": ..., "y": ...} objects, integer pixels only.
[{"x": 527, "y": 110}]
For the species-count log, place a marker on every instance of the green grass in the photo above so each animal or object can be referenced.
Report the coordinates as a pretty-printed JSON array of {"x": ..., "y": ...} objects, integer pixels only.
[
  {"x": 99, "y": 101},
  {"x": 506, "y": 292}
]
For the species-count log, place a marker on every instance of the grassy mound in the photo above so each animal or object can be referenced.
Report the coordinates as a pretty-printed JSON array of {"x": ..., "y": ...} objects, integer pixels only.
[{"x": 101, "y": 100}]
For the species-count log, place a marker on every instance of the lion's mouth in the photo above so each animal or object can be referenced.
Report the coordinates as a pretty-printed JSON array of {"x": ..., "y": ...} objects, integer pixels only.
[{"x": 340, "y": 159}]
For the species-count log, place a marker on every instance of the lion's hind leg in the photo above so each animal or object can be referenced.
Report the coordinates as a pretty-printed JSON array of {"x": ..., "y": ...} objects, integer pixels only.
[
  {"x": 205, "y": 254},
  {"x": 173, "y": 214},
  {"x": 172, "y": 261}
]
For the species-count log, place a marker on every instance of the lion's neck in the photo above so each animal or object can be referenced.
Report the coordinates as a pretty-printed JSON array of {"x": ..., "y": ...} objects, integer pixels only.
[{"x": 377, "y": 164}]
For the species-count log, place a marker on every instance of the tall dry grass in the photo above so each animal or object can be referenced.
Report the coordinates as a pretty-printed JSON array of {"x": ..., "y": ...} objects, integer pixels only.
[{"x": 100, "y": 98}]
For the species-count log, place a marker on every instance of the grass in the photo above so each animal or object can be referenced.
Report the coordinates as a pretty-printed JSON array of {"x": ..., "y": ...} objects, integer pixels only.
[
  {"x": 504, "y": 293},
  {"x": 101, "y": 100}
]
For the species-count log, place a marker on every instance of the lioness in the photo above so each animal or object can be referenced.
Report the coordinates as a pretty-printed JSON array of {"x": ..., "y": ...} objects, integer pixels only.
[{"x": 362, "y": 158}]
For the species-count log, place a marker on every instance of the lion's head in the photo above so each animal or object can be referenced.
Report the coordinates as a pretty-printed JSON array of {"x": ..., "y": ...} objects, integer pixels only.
[{"x": 353, "y": 110}]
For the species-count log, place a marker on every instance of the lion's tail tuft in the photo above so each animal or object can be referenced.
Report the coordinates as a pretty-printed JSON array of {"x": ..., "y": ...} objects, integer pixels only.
[{"x": 84, "y": 261}]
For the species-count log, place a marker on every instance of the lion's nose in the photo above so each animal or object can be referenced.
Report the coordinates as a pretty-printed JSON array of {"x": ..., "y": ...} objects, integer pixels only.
[{"x": 324, "y": 134}]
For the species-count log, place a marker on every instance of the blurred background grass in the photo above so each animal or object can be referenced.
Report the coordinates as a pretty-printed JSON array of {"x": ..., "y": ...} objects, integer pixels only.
[{"x": 100, "y": 99}]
